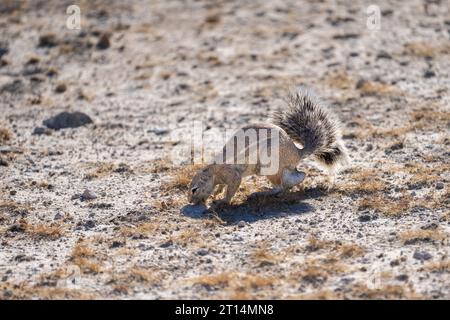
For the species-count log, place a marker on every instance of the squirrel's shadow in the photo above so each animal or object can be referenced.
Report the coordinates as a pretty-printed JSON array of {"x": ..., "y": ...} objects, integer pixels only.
[{"x": 258, "y": 207}]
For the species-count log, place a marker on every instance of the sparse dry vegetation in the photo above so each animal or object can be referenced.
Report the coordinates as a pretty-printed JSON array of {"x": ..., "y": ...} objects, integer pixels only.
[
  {"x": 380, "y": 231},
  {"x": 5, "y": 135},
  {"x": 85, "y": 258}
]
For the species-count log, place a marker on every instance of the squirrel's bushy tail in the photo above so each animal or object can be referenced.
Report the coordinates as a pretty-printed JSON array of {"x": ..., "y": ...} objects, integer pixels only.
[{"x": 310, "y": 124}]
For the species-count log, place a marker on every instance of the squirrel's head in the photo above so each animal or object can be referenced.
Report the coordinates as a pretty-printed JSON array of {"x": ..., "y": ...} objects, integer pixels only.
[{"x": 202, "y": 186}]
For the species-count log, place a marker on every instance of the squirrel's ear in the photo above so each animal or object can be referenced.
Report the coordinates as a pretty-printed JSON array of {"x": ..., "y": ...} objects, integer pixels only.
[{"x": 194, "y": 189}]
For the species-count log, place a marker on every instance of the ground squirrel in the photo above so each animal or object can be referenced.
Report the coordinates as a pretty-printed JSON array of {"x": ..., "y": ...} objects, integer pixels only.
[{"x": 303, "y": 122}]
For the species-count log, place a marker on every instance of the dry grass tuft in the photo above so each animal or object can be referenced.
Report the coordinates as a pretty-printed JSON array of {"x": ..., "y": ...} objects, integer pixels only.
[
  {"x": 350, "y": 250},
  {"x": 39, "y": 231},
  {"x": 375, "y": 88},
  {"x": 43, "y": 231},
  {"x": 341, "y": 80},
  {"x": 85, "y": 258},
  {"x": 101, "y": 170},
  {"x": 13, "y": 206},
  {"x": 5, "y": 135},
  {"x": 191, "y": 236},
  {"x": 25, "y": 291},
  {"x": 316, "y": 295},
  {"x": 180, "y": 178},
  {"x": 425, "y": 49},
  {"x": 385, "y": 205},
  {"x": 362, "y": 291},
  {"x": 141, "y": 231},
  {"x": 419, "y": 235},
  {"x": 236, "y": 285},
  {"x": 264, "y": 256},
  {"x": 363, "y": 181},
  {"x": 317, "y": 271},
  {"x": 438, "y": 267}
]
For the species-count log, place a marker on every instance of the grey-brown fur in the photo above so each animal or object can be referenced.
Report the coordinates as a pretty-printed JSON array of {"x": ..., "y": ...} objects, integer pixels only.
[
  {"x": 309, "y": 123},
  {"x": 303, "y": 121}
]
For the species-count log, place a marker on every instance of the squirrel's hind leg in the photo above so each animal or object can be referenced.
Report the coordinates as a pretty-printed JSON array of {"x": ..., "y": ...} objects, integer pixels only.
[{"x": 291, "y": 178}]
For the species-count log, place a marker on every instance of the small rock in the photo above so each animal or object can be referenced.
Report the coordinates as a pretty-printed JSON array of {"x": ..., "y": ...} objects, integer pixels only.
[
  {"x": 396, "y": 146},
  {"x": 12, "y": 192},
  {"x": 241, "y": 224},
  {"x": 429, "y": 74},
  {"x": 384, "y": 55},
  {"x": 41, "y": 130},
  {"x": 3, "y": 49},
  {"x": 60, "y": 88},
  {"x": 103, "y": 43},
  {"x": 364, "y": 218},
  {"x": 402, "y": 277},
  {"x": 360, "y": 83},
  {"x": 3, "y": 162},
  {"x": 58, "y": 216},
  {"x": 67, "y": 120},
  {"x": 16, "y": 86},
  {"x": 47, "y": 40},
  {"x": 117, "y": 244},
  {"x": 439, "y": 186},
  {"x": 431, "y": 226},
  {"x": 369, "y": 147},
  {"x": 88, "y": 195},
  {"x": 202, "y": 252},
  {"x": 422, "y": 255},
  {"x": 89, "y": 224},
  {"x": 166, "y": 244}
]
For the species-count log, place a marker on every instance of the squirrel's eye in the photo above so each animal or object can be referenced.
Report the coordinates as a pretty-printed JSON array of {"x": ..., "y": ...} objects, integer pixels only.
[{"x": 194, "y": 189}]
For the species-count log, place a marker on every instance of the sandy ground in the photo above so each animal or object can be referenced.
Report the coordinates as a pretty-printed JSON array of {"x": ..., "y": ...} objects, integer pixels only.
[{"x": 381, "y": 232}]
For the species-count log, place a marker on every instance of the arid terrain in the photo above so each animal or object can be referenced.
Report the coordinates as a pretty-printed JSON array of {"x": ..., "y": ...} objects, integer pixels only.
[{"x": 100, "y": 210}]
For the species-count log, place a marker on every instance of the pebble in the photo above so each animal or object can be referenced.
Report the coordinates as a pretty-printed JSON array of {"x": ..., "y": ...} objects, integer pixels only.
[
  {"x": 402, "y": 277},
  {"x": 429, "y": 74},
  {"x": 103, "y": 43},
  {"x": 67, "y": 120},
  {"x": 422, "y": 255},
  {"x": 41, "y": 130},
  {"x": 60, "y": 88},
  {"x": 58, "y": 216},
  {"x": 166, "y": 244},
  {"x": 88, "y": 195},
  {"x": 202, "y": 252},
  {"x": 89, "y": 224},
  {"x": 241, "y": 224},
  {"x": 439, "y": 186}
]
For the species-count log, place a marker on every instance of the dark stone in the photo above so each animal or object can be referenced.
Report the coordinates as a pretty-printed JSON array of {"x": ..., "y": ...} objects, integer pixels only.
[
  {"x": 89, "y": 224},
  {"x": 3, "y": 50},
  {"x": 117, "y": 244},
  {"x": 422, "y": 255},
  {"x": 429, "y": 74},
  {"x": 47, "y": 40},
  {"x": 41, "y": 130},
  {"x": 202, "y": 252},
  {"x": 346, "y": 36},
  {"x": 67, "y": 120},
  {"x": 60, "y": 88},
  {"x": 166, "y": 244},
  {"x": 103, "y": 43},
  {"x": 402, "y": 277},
  {"x": 439, "y": 186},
  {"x": 397, "y": 146},
  {"x": 366, "y": 218},
  {"x": 383, "y": 55},
  {"x": 16, "y": 86}
]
